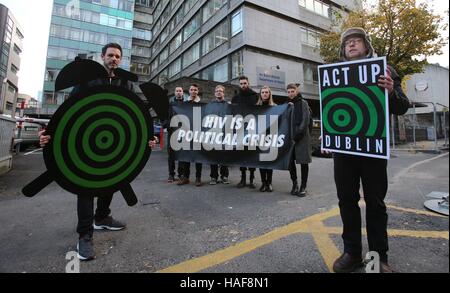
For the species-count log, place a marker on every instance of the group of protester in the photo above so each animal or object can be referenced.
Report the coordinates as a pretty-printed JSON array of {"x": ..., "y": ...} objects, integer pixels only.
[
  {"x": 247, "y": 96},
  {"x": 349, "y": 170}
]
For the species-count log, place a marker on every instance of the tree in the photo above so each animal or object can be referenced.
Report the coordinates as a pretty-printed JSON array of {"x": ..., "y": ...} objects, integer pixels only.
[{"x": 402, "y": 31}]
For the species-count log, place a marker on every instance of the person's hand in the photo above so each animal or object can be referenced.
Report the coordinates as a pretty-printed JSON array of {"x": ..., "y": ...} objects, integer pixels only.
[
  {"x": 153, "y": 142},
  {"x": 322, "y": 151},
  {"x": 43, "y": 139},
  {"x": 386, "y": 82}
]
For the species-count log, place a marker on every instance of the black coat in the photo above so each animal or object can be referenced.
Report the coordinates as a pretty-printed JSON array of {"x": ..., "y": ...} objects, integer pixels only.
[
  {"x": 249, "y": 98},
  {"x": 300, "y": 130}
]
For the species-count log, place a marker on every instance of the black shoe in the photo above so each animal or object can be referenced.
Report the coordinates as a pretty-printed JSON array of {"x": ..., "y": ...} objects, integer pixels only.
[
  {"x": 85, "y": 248},
  {"x": 302, "y": 191},
  {"x": 198, "y": 182},
  {"x": 347, "y": 263},
  {"x": 225, "y": 180},
  {"x": 251, "y": 185},
  {"x": 213, "y": 181},
  {"x": 263, "y": 187},
  {"x": 295, "y": 188},
  {"x": 269, "y": 187},
  {"x": 109, "y": 223},
  {"x": 171, "y": 179},
  {"x": 243, "y": 181}
]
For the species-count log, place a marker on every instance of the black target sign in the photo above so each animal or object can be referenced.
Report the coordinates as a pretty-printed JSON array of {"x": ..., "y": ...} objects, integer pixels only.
[
  {"x": 354, "y": 109},
  {"x": 99, "y": 143}
]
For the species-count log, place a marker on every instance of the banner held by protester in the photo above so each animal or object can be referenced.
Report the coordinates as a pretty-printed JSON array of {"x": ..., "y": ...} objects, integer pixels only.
[{"x": 232, "y": 135}]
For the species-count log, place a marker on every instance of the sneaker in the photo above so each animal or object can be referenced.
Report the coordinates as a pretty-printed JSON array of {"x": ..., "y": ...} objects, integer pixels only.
[
  {"x": 171, "y": 179},
  {"x": 109, "y": 224},
  {"x": 213, "y": 181},
  {"x": 225, "y": 180},
  {"x": 85, "y": 248}
]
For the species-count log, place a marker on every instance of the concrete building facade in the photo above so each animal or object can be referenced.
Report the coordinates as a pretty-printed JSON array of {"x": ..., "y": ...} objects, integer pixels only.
[
  {"x": 11, "y": 47},
  {"x": 272, "y": 42}
]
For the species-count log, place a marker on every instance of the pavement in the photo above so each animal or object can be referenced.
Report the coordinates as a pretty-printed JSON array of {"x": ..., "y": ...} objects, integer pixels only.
[{"x": 221, "y": 229}]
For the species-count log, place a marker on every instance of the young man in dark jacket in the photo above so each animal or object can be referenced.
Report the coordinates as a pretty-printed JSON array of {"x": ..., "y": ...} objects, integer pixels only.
[
  {"x": 102, "y": 220},
  {"x": 349, "y": 170},
  {"x": 224, "y": 171},
  {"x": 179, "y": 98},
  {"x": 246, "y": 96}
]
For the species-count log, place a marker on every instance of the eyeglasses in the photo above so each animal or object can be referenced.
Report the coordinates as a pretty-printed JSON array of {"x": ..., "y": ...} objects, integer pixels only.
[{"x": 353, "y": 41}]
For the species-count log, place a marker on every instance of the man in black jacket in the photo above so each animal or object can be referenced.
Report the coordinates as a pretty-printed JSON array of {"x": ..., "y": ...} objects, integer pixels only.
[
  {"x": 179, "y": 98},
  {"x": 102, "y": 220},
  {"x": 349, "y": 170},
  {"x": 246, "y": 96}
]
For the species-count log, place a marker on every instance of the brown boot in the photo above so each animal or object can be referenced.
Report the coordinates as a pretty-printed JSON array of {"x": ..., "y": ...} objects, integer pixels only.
[
  {"x": 347, "y": 263},
  {"x": 183, "y": 181},
  {"x": 198, "y": 182},
  {"x": 385, "y": 268}
]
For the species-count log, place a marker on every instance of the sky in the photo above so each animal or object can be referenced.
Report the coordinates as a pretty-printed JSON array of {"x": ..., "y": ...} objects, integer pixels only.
[{"x": 34, "y": 18}]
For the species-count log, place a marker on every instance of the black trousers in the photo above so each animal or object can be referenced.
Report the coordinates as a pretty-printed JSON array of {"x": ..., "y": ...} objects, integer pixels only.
[
  {"x": 266, "y": 175},
  {"x": 244, "y": 169},
  {"x": 186, "y": 169},
  {"x": 224, "y": 172},
  {"x": 171, "y": 162},
  {"x": 85, "y": 209},
  {"x": 349, "y": 171},
  {"x": 293, "y": 171}
]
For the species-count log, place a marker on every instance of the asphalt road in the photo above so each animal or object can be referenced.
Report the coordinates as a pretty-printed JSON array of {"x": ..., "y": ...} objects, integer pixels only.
[{"x": 221, "y": 228}]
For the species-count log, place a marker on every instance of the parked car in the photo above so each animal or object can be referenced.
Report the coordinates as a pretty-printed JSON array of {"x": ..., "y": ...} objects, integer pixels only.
[{"x": 29, "y": 134}]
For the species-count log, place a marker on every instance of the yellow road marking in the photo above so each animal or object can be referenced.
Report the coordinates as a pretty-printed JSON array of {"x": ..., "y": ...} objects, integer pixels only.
[
  {"x": 313, "y": 225},
  {"x": 418, "y": 212}
]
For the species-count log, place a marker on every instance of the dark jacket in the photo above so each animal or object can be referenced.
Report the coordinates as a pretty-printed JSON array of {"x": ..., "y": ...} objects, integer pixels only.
[
  {"x": 117, "y": 81},
  {"x": 249, "y": 97},
  {"x": 398, "y": 101},
  {"x": 300, "y": 130}
]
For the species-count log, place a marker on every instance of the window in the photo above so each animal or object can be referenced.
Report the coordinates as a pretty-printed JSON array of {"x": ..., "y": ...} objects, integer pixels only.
[
  {"x": 310, "y": 73},
  {"x": 316, "y": 6},
  {"x": 139, "y": 68},
  {"x": 142, "y": 34},
  {"x": 310, "y": 37},
  {"x": 211, "y": 8},
  {"x": 191, "y": 55},
  {"x": 154, "y": 65},
  {"x": 17, "y": 49},
  {"x": 14, "y": 69},
  {"x": 236, "y": 23},
  {"x": 237, "y": 65},
  {"x": 215, "y": 38},
  {"x": 175, "y": 43},
  {"x": 188, "y": 4},
  {"x": 217, "y": 72},
  {"x": 51, "y": 75},
  {"x": 175, "y": 67},
  {"x": 163, "y": 56},
  {"x": 192, "y": 26},
  {"x": 141, "y": 51},
  {"x": 19, "y": 34}
]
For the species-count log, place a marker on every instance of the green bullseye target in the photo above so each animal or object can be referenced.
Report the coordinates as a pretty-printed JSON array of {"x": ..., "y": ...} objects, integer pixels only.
[
  {"x": 99, "y": 142},
  {"x": 352, "y": 111}
]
